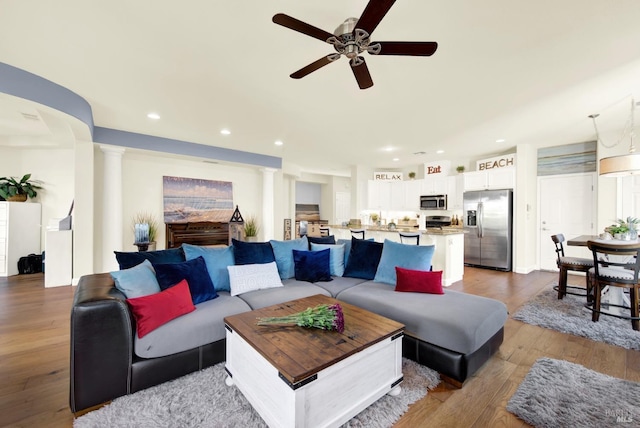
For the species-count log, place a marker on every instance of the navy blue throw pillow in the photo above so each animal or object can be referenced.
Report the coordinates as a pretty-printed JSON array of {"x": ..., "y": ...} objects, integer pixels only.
[
  {"x": 312, "y": 266},
  {"x": 194, "y": 271},
  {"x": 363, "y": 259},
  {"x": 131, "y": 259},
  {"x": 331, "y": 239},
  {"x": 251, "y": 253}
]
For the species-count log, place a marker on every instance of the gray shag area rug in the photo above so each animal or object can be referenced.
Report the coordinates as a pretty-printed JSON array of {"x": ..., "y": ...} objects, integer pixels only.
[
  {"x": 558, "y": 393},
  {"x": 570, "y": 316},
  {"x": 203, "y": 400}
]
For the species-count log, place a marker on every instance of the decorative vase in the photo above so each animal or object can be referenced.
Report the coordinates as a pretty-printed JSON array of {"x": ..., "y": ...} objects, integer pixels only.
[
  {"x": 21, "y": 197},
  {"x": 250, "y": 239}
]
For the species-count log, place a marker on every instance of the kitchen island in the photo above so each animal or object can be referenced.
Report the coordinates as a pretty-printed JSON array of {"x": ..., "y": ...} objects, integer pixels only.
[{"x": 449, "y": 243}]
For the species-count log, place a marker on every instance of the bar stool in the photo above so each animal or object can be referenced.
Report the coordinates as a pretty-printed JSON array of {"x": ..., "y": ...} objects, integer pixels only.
[
  {"x": 357, "y": 233},
  {"x": 324, "y": 231},
  {"x": 566, "y": 264},
  {"x": 409, "y": 237},
  {"x": 615, "y": 265}
]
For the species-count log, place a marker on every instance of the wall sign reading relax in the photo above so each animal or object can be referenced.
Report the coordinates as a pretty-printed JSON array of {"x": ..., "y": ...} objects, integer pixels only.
[{"x": 387, "y": 176}]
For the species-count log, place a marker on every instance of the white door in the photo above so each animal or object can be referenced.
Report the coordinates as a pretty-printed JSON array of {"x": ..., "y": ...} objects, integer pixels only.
[{"x": 567, "y": 205}]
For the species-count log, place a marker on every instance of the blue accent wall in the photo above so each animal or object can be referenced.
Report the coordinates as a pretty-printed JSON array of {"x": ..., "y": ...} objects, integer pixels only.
[
  {"x": 178, "y": 147},
  {"x": 22, "y": 84}
]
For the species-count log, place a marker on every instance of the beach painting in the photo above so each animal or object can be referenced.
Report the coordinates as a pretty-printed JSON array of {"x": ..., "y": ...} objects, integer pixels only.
[{"x": 188, "y": 200}]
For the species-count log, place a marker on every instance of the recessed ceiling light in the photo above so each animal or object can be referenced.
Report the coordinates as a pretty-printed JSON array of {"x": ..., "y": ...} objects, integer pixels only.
[
  {"x": 439, "y": 152},
  {"x": 154, "y": 116},
  {"x": 388, "y": 149},
  {"x": 225, "y": 131},
  {"x": 396, "y": 159},
  {"x": 500, "y": 140},
  {"x": 278, "y": 143}
]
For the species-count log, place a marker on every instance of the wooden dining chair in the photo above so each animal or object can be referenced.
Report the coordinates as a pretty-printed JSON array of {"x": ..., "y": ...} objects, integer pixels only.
[
  {"x": 410, "y": 237},
  {"x": 357, "y": 233},
  {"x": 616, "y": 264},
  {"x": 574, "y": 264}
]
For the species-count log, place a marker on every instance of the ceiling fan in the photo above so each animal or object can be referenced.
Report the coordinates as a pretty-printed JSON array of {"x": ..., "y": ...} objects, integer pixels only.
[{"x": 351, "y": 38}]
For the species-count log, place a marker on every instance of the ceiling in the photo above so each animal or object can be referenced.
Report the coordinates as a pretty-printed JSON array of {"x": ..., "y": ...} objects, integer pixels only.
[{"x": 526, "y": 72}]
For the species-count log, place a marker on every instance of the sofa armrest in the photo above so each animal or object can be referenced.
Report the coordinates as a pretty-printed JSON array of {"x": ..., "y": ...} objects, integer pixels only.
[{"x": 101, "y": 343}]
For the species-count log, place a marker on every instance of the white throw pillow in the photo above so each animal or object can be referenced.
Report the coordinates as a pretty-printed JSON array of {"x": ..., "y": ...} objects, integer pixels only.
[{"x": 246, "y": 278}]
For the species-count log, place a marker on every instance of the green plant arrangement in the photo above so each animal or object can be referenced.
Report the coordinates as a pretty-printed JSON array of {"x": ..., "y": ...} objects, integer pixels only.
[
  {"x": 251, "y": 226},
  {"x": 460, "y": 168},
  {"x": 412, "y": 175},
  {"x": 13, "y": 189},
  {"x": 147, "y": 218}
]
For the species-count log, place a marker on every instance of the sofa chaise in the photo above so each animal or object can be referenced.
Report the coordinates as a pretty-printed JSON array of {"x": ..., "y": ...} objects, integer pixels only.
[{"x": 454, "y": 333}]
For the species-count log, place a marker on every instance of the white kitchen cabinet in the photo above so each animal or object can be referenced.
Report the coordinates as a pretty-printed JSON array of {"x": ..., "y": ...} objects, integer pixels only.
[
  {"x": 499, "y": 178},
  {"x": 58, "y": 258},
  {"x": 19, "y": 234},
  {"x": 455, "y": 192},
  {"x": 412, "y": 195},
  {"x": 448, "y": 257},
  {"x": 434, "y": 186}
]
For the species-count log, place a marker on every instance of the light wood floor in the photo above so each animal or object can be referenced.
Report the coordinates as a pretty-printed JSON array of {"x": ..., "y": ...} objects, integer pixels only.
[{"x": 34, "y": 356}]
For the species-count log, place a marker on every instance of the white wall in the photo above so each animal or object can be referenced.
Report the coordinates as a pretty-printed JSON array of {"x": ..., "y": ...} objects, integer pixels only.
[
  {"x": 54, "y": 167},
  {"x": 142, "y": 173}
]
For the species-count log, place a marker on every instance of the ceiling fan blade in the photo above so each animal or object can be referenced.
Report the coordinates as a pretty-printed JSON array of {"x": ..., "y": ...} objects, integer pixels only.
[
  {"x": 373, "y": 14},
  {"x": 361, "y": 72},
  {"x": 301, "y": 27},
  {"x": 314, "y": 66},
  {"x": 408, "y": 48}
]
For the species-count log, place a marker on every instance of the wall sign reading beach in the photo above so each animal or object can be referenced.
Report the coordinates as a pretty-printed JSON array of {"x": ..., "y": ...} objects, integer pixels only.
[{"x": 188, "y": 200}]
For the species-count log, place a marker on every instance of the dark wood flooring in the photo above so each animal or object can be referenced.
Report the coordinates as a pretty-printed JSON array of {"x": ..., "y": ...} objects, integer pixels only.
[{"x": 34, "y": 356}]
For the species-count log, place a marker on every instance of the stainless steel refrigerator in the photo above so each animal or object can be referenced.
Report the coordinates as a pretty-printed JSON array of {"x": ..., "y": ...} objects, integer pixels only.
[{"x": 488, "y": 226}]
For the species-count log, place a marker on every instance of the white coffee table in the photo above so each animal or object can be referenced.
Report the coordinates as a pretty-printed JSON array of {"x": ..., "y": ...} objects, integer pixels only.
[{"x": 301, "y": 377}]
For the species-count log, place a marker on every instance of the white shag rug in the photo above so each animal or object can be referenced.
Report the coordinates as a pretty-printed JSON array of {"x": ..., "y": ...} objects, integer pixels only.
[
  {"x": 570, "y": 316},
  {"x": 203, "y": 400},
  {"x": 558, "y": 393}
]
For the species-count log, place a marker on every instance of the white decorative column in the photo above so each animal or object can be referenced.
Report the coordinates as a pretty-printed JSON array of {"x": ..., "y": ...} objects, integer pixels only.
[
  {"x": 268, "y": 203},
  {"x": 111, "y": 206}
]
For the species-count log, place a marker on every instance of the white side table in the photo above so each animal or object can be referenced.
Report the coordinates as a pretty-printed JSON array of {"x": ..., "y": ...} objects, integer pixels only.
[{"x": 58, "y": 261}]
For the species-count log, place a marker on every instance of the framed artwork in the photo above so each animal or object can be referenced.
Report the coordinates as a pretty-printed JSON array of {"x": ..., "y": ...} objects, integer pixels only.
[{"x": 188, "y": 200}]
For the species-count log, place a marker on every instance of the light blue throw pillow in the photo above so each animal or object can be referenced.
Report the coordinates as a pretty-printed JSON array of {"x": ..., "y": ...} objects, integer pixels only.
[
  {"x": 415, "y": 257},
  {"x": 283, "y": 252},
  {"x": 217, "y": 259},
  {"x": 336, "y": 260},
  {"x": 137, "y": 281}
]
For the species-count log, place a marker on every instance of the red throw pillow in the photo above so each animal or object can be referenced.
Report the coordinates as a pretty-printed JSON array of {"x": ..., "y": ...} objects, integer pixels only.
[
  {"x": 157, "y": 309},
  {"x": 419, "y": 281}
]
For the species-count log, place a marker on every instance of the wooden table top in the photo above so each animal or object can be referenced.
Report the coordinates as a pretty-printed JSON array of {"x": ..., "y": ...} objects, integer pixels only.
[
  {"x": 299, "y": 352},
  {"x": 581, "y": 241}
]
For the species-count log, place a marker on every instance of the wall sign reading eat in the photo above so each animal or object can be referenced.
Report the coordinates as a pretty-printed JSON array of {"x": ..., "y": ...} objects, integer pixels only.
[
  {"x": 439, "y": 168},
  {"x": 387, "y": 176}
]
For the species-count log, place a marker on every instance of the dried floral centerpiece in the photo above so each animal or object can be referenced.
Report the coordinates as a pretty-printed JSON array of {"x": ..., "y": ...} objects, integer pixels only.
[{"x": 325, "y": 317}]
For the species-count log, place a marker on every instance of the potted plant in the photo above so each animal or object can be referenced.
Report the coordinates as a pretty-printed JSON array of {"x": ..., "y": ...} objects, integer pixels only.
[
  {"x": 152, "y": 224},
  {"x": 12, "y": 189},
  {"x": 374, "y": 218},
  {"x": 412, "y": 175},
  {"x": 251, "y": 229},
  {"x": 460, "y": 169}
]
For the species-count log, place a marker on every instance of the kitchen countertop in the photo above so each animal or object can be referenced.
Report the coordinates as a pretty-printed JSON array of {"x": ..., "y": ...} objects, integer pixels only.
[{"x": 445, "y": 230}]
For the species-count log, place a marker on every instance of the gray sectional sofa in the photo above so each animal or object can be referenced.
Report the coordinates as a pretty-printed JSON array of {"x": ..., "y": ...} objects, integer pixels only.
[{"x": 454, "y": 333}]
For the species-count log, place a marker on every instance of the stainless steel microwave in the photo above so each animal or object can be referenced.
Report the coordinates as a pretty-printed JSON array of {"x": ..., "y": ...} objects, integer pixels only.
[{"x": 433, "y": 202}]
